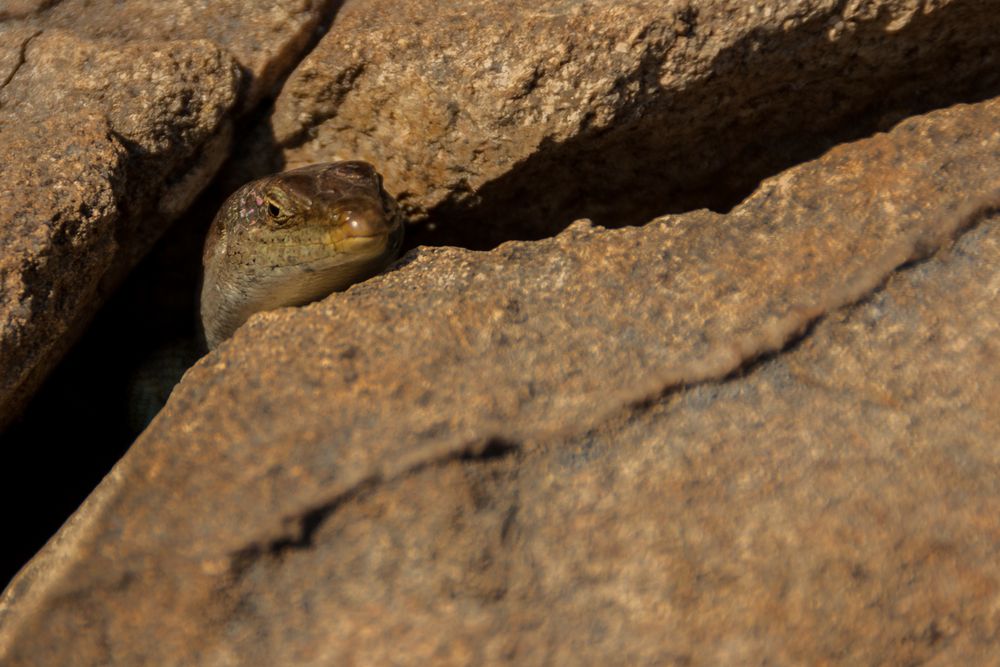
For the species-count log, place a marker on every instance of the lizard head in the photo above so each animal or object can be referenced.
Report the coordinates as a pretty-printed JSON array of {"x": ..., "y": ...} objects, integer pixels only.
[{"x": 295, "y": 237}]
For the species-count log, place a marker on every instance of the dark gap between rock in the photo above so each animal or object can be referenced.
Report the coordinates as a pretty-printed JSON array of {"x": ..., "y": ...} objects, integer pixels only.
[{"x": 77, "y": 426}]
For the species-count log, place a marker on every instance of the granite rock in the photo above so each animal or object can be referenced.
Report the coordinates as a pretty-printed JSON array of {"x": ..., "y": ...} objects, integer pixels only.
[
  {"x": 95, "y": 165},
  {"x": 266, "y": 39},
  {"x": 764, "y": 436},
  {"x": 113, "y": 117},
  {"x": 561, "y": 107}
]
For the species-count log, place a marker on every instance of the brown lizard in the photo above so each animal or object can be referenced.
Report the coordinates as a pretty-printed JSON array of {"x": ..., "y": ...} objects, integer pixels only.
[
  {"x": 295, "y": 237},
  {"x": 283, "y": 240}
]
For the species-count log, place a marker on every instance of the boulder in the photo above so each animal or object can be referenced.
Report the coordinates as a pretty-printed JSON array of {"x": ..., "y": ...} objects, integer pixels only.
[
  {"x": 267, "y": 40},
  {"x": 102, "y": 145},
  {"x": 113, "y": 117},
  {"x": 764, "y": 436},
  {"x": 498, "y": 121}
]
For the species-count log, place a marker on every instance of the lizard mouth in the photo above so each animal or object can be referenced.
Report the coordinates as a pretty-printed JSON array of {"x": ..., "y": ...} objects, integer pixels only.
[{"x": 363, "y": 246}]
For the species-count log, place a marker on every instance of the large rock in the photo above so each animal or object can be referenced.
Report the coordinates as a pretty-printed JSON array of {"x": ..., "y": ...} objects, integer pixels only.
[
  {"x": 267, "y": 39},
  {"x": 487, "y": 457},
  {"x": 102, "y": 146},
  {"x": 113, "y": 116},
  {"x": 558, "y": 109}
]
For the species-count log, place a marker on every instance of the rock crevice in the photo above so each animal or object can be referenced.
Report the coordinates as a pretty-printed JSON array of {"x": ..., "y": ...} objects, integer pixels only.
[
  {"x": 170, "y": 79},
  {"x": 22, "y": 57}
]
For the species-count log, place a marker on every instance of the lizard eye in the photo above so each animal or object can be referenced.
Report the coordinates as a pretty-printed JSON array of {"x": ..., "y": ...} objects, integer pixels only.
[{"x": 275, "y": 211}]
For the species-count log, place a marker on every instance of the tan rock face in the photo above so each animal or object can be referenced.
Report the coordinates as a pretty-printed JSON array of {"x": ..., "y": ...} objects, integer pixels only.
[
  {"x": 489, "y": 457},
  {"x": 760, "y": 436},
  {"x": 560, "y": 107},
  {"x": 113, "y": 117},
  {"x": 95, "y": 166},
  {"x": 23, "y": 8},
  {"x": 265, "y": 38}
]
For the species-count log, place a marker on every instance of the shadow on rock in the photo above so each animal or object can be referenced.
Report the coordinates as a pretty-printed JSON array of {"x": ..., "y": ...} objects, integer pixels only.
[{"x": 711, "y": 146}]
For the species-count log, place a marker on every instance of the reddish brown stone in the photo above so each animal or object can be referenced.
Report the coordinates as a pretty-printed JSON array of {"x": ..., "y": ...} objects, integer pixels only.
[
  {"x": 560, "y": 109},
  {"x": 489, "y": 457},
  {"x": 267, "y": 39},
  {"x": 95, "y": 166},
  {"x": 113, "y": 117}
]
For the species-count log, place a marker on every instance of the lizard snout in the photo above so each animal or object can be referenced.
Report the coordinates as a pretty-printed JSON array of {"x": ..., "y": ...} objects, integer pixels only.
[{"x": 364, "y": 219}]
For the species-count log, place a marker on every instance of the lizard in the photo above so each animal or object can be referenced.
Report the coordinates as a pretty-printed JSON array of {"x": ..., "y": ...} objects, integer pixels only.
[
  {"x": 292, "y": 238},
  {"x": 283, "y": 240}
]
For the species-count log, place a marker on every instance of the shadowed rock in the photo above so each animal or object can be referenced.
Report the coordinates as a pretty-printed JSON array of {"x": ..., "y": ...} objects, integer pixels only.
[
  {"x": 113, "y": 117},
  {"x": 481, "y": 457},
  {"x": 617, "y": 112},
  {"x": 95, "y": 166}
]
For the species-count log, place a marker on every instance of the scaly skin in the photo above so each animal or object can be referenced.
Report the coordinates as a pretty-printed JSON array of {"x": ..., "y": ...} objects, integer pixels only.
[{"x": 295, "y": 237}]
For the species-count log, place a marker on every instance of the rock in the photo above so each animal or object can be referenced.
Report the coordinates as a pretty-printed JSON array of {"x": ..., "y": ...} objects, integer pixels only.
[
  {"x": 21, "y": 8},
  {"x": 116, "y": 153},
  {"x": 267, "y": 40},
  {"x": 563, "y": 106},
  {"x": 129, "y": 108},
  {"x": 760, "y": 436}
]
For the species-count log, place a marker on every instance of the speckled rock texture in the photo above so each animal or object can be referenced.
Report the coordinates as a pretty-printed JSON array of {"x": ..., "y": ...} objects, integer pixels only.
[
  {"x": 562, "y": 106},
  {"x": 94, "y": 167},
  {"x": 760, "y": 437},
  {"x": 266, "y": 38},
  {"x": 113, "y": 117}
]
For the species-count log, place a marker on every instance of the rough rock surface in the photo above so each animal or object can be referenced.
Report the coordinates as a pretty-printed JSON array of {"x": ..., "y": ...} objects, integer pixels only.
[
  {"x": 95, "y": 165},
  {"x": 267, "y": 39},
  {"x": 563, "y": 106},
  {"x": 497, "y": 456},
  {"x": 113, "y": 116}
]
